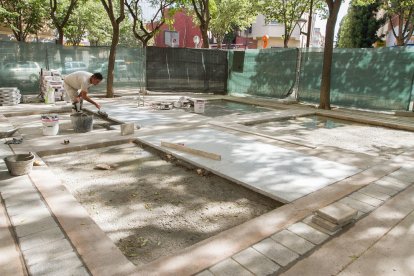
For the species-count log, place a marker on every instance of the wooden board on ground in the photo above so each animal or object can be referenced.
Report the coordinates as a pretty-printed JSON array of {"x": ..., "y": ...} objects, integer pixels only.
[{"x": 191, "y": 150}]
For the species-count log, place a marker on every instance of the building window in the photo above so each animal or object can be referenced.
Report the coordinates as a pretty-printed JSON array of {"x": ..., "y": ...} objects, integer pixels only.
[{"x": 271, "y": 22}]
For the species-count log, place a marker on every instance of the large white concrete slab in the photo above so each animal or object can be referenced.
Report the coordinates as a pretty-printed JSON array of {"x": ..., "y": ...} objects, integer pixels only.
[
  {"x": 282, "y": 174},
  {"x": 145, "y": 117}
]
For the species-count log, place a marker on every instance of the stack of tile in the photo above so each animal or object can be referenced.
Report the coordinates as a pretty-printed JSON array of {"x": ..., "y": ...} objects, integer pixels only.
[
  {"x": 52, "y": 80},
  {"x": 9, "y": 96},
  {"x": 333, "y": 217}
]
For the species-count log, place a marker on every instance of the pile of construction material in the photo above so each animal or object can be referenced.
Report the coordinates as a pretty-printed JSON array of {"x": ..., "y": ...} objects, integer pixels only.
[
  {"x": 9, "y": 96},
  {"x": 52, "y": 86},
  {"x": 334, "y": 217}
]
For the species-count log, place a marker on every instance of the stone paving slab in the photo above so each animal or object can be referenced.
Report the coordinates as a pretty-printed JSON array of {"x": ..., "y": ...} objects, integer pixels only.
[
  {"x": 41, "y": 238},
  {"x": 256, "y": 262},
  {"x": 284, "y": 175},
  {"x": 25, "y": 229},
  {"x": 276, "y": 252},
  {"x": 48, "y": 252},
  {"x": 366, "y": 199},
  {"x": 229, "y": 267},
  {"x": 308, "y": 232},
  {"x": 356, "y": 204},
  {"x": 293, "y": 241},
  {"x": 10, "y": 260},
  {"x": 68, "y": 264},
  {"x": 337, "y": 213}
]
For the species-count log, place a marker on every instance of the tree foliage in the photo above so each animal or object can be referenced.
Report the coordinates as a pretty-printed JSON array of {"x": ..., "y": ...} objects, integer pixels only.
[
  {"x": 60, "y": 14},
  {"x": 202, "y": 10},
  {"x": 24, "y": 17},
  {"x": 359, "y": 27},
  {"x": 231, "y": 14},
  {"x": 287, "y": 12},
  {"x": 400, "y": 14},
  {"x": 145, "y": 31}
]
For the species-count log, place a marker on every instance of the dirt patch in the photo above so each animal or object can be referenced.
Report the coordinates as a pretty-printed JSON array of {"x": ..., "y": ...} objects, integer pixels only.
[{"x": 150, "y": 207}]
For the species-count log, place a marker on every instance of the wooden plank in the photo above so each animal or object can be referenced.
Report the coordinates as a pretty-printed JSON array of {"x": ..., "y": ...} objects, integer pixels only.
[{"x": 191, "y": 150}]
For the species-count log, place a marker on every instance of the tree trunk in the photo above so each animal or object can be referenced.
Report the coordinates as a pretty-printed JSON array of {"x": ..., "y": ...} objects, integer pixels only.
[
  {"x": 111, "y": 63},
  {"x": 60, "y": 38},
  {"x": 309, "y": 31},
  {"x": 204, "y": 35},
  {"x": 324, "y": 101}
]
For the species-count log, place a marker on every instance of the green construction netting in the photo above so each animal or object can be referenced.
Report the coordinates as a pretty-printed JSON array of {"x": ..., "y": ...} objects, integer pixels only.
[
  {"x": 20, "y": 64},
  {"x": 378, "y": 79},
  {"x": 266, "y": 73},
  {"x": 182, "y": 69}
]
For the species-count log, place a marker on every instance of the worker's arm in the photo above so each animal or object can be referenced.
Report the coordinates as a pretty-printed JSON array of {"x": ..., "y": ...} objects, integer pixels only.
[{"x": 84, "y": 95}]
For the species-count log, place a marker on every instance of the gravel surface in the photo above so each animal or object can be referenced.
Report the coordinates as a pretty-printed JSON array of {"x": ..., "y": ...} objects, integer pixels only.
[{"x": 150, "y": 207}]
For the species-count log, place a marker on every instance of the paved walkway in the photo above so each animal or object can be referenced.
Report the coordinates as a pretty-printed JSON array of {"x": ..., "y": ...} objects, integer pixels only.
[{"x": 45, "y": 231}]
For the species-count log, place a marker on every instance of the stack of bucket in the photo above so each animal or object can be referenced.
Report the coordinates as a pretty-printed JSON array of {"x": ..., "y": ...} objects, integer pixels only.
[{"x": 50, "y": 124}]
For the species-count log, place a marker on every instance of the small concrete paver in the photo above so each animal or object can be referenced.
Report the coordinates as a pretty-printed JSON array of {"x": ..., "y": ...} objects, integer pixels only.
[
  {"x": 25, "y": 229},
  {"x": 276, "y": 252},
  {"x": 357, "y": 205},
  {"x": 41, "y": 238},
  {"x": 326, "y": 224},
  {"x": 337, "y": 213},
  {"x": 48, "y": 251},
  {"x": 366, "y": 199},
  {"x": 205, "y": 273},
  {"x": 392, "y": 182},
  {"x": 293, "y": 241},
  {"x": 379, "y": 192},
  {"x": 10, "y": 260},
  {"x": 256, "y": 262},
  {"x": 229, "y": 267},
  {"x": 68, "y": 264},
  {"x": 308, "y": 232}
]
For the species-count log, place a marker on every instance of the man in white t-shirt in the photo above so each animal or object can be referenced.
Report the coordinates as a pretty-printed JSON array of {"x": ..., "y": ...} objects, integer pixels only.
[{"x": 81, "y": 80}]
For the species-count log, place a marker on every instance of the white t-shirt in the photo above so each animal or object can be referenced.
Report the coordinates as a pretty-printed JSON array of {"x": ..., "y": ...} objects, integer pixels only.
[{"x": 79, "y": 80}]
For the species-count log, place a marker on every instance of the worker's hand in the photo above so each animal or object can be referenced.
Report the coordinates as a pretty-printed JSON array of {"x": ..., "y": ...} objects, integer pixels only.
[{"x": 98, "y": 106}]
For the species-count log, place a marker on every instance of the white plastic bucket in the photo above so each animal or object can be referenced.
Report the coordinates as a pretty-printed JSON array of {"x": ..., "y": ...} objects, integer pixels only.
[
  {"x": 50, "y": 125},
  {"x": 199, "y": 106}
]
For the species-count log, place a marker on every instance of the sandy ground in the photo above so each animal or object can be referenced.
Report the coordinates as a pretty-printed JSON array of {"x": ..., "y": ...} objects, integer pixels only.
[
  {"x": 150, "y": 207},
  {"x": 328, "y": 132}
]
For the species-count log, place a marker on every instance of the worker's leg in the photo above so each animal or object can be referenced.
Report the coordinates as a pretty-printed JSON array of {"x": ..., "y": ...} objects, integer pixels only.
[{"x": 73, "y": 96}]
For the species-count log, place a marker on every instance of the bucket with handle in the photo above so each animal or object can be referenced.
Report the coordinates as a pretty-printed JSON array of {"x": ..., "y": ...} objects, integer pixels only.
[
  {"x": 81, "y": 122},
  {"x": 19, "y": 164},
  {"x": 50, "y": 124}
]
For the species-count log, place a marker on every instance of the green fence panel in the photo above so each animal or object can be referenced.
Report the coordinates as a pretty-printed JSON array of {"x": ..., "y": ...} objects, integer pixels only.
[
  {"x": 376, "y": 79},
  {"x": 266, "y": 73},
  {"x": 20, "y": 64},
  {"x": 183, "y": 69}
]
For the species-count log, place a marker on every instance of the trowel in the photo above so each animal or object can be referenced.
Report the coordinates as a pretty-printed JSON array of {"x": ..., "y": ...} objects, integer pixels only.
[
  {"x": 103, "y": 114},
  {"x": 8, "y": 133}
]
